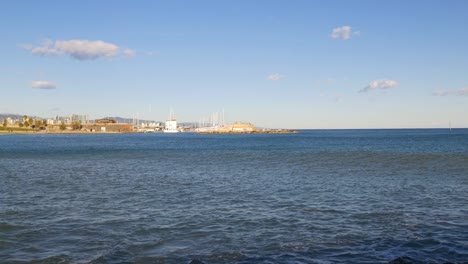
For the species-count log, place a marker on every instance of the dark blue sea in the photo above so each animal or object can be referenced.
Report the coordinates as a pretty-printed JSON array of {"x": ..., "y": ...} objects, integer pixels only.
[{"x": 319, "y": 196}]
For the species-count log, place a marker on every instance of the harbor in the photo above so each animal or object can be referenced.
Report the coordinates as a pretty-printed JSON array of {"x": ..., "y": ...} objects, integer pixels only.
[{"x": 81, "y": 124}]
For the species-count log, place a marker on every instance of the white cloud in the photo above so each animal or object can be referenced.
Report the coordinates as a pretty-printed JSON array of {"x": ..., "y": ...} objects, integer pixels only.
[
  {"x": 275, "y": 77},
  {"x": 46, "y": 85},
  {"x": 441, "y": 93},
  {"x": 87, "y": 50},
  {"x": 379, "y": 84},
  {"x": 47, "y": 48},
  {"x": 128, "y": 53},
  {"x": 79, "y": 49},
  {"x": 463, "y": 92},
  {"x": 343, "y": 33}
]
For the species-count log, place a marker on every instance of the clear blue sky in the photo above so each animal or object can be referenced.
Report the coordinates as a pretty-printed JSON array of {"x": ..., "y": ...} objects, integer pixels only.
[{"x": 273, "y": 63}]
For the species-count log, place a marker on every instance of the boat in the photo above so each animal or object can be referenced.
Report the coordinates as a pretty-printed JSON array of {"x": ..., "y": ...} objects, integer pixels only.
[
  {"x": 171, "y": 124},
  {"x": 215, "y": 122}
]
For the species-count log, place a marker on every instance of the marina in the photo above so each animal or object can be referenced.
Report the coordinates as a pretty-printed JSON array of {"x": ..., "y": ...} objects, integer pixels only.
[{"x": 72, "y": 125}]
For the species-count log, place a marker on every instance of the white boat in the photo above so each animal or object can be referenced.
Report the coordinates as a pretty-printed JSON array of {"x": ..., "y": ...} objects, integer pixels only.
[
  {"x": 171, "y": 124},
  {"x": 215, "y": 122}
]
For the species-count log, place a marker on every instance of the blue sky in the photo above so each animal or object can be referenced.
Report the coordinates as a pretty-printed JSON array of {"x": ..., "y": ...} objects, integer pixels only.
[{"x": 273, "y": 63}]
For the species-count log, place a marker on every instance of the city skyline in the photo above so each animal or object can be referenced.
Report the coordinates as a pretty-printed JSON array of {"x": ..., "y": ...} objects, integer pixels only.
[{"x": 301, "y": 64}]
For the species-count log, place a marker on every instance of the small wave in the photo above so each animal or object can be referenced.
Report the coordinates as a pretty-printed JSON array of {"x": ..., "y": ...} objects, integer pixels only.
[
  {"x": 320, "y": 210},
  {"x": 117, "y": 253},
  {"x": 228, "y": 257},
  {"x": 409, "y": 260},
  {"x": 8, "y": 227},
  {"x": 59, "y": 259}
]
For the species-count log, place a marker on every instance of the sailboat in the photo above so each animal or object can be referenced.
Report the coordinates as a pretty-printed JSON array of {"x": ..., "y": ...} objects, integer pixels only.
[
  {"x": 215, "y": 122},
  {"x": 171, "y": 124}
]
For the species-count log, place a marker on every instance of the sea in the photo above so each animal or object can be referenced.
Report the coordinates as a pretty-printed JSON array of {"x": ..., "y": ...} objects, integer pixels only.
[{"x": 318, "y": 196}]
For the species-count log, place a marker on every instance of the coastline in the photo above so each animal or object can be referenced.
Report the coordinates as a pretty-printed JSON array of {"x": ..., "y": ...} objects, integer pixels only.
[
  {"x": 2, "y": 132},
  {"x": 273, "y": 131},
  {"x": 19, "y": 132}
]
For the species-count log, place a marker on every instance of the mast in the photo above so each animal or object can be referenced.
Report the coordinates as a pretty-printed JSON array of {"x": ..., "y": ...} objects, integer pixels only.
[{"x": 223, "y": 118}]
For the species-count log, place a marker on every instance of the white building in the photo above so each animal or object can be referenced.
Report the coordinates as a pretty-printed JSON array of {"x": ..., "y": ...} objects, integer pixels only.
[
  {"x": 171, "y": 126},
  {"x": 171, "y": 123}
]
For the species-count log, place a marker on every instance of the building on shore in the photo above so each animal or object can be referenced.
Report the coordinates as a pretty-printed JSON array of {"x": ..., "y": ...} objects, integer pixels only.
[
  {"x": 83, "y": 119},
  {"x": 171, "y": 124},
  {"x": 105, "y": 121}
]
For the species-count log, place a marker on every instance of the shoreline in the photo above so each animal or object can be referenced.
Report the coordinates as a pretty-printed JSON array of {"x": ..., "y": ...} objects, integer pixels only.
[
  {"x": 18, "y": 132},
  {"x": 273, "y": 131}
]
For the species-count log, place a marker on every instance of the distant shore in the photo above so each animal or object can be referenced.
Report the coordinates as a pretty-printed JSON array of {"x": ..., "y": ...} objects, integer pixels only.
[
  {"x": 124, "y": 128},
  {"x": 80, "y": 132},
  {"x": 43, "y": 132},
  {"x": 272, "y": 131}
]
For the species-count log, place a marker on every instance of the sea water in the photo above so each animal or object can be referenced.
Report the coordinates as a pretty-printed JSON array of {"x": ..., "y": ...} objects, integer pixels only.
[{"x": 319, "y": 196}]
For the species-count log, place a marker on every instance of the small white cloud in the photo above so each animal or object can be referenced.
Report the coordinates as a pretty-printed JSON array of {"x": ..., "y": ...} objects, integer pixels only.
[
  {"x": 343, "y": 33},
  {"x": 79, "y": 49},
  {"x": 128, "y": 53},
  {"x": 441, "y": 93},
  {"x": 87, "y": 50},
  {"x": 46, "y": 48},
  {"x": 275, "y": 77},
  {"x": 463, "y": 92},
  {"x": 379, "y": 84},
  {"x": 46, "y": 85}
]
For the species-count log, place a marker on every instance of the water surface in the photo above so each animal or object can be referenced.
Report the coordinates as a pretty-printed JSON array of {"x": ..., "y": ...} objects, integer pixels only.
[{"x": 321, "y": 196}]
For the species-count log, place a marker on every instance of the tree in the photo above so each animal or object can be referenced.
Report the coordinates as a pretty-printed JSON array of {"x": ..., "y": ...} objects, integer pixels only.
[
  {"x": 26, "y": 124},
  {"x": 76, "y": 125},
  {"x": 5, "y": 123},
  {"x": 63, "y": 126},
  {"x": 25, "y": 117},
  {"x": 20, "y": 124},
  {"x": 44, "y": 122},
  {"x": 38, "y": 123},
  {"x": 31, "y": 121}
]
